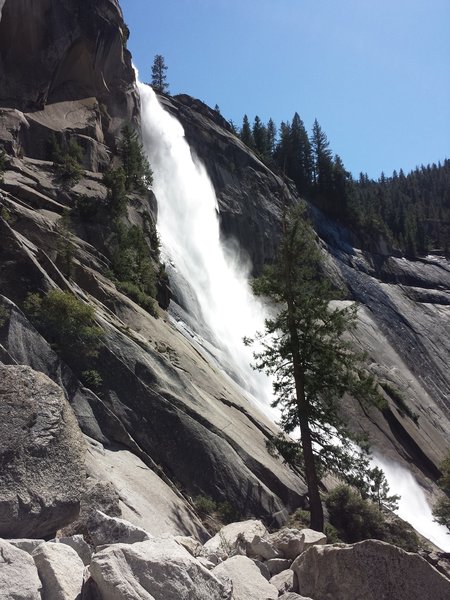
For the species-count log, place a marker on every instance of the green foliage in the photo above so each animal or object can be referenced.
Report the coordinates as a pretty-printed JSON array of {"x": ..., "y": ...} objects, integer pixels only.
[
  {"x": 138, "y": 175},
  {"x": 68, "y": 161},
  {"x": 159, "y": 77},
  {"x": 67, "y": 323},
  {"x": 87, "y": 208},
  {"x": 399, "y": 400},
  {"x": 441, "y": 510},
  {"x": 303, "y": 347},
  {"x": 125, "y": 35},
  {"x": 115, "y": 181},
  {"x": 65, "y": 243},
  {"x": 92, "y": 379},
  {"x": 356, "y": 519},
  {"x": 223, "y": 511},
  {"x": 132, "y": 266},
  {"x": 300, "y": 519},
  {"x": 205, "y": 505}
]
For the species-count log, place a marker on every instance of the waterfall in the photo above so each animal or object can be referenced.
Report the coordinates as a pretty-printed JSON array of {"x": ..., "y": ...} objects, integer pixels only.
[
  {"x": 413, "y": 506},
  {"x": 208, "y": 278},
  {"x": 211, "y": 284}
]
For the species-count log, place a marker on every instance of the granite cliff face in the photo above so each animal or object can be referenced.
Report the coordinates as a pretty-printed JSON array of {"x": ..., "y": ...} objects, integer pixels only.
[
  {"x": 168, "y": 425},
  {"x": 404, "y": 315}
]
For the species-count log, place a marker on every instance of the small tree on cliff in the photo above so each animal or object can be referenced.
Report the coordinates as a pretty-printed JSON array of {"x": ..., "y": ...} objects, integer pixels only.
[
  {"x": 159, "y": 77},
  {"x": 312, "y": 365}
]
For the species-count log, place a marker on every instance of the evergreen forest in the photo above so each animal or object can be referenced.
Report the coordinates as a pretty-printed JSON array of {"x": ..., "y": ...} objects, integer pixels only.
[{"x": 410, "y": 211}]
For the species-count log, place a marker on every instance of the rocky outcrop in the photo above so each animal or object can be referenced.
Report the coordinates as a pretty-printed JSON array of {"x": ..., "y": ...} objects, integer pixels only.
[
  {"x": 158, "y": 569},
  {"x": 246, "y": 579},
  {"x": 19, "y": 578},
  {"x": 41, "y": 455},
  {"x": 369, "y": 570},
  {"x": 61, "y": 571}
]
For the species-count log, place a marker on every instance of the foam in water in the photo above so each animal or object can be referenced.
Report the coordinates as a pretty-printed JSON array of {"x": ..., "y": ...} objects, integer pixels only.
[
  {"x": 413, "y": 506},
  {"x": 189, "y": 229}
]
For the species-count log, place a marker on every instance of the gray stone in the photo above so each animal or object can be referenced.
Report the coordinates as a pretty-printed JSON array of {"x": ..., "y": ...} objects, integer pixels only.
[
  {"x": 248, "y": 583},
  {"x": 192, "y": 545},
  {"x": 293, "y": 596},
  {"x": 28, "y": 545},
  {"x": 262, "y": 566},
  {"x": 277, "y": 565},
  {"x": 371, "y": 570},
  {"x": 105, "y": 530},
  {"x": 289, "y": 542},
  {"x": 244, "y": 537},
  {"x": 313, "y": 538},
  {"x": 61, "y": 571},
  {"x": 42, "y": 455},
  {"x": 157, "y": 569},
  {"x": 18, "y": 574},
  {"x": 77, "y": 543},
  {"x": 286, "y": 581}
]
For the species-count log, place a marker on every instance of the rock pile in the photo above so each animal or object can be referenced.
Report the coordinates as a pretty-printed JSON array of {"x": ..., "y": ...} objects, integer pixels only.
[{"x": 241, "y": 562}]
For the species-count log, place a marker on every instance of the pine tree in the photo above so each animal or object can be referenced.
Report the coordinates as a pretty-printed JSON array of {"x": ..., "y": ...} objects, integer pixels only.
[
  {"x": 303, "y": 348},
  {"x": 271, "y": 136},
  {"x": 259, "y": 132},
  {"x": 246, "y": 133},
  {"x": 300, "y": 162},
  {"x": 159, "y": 77}
]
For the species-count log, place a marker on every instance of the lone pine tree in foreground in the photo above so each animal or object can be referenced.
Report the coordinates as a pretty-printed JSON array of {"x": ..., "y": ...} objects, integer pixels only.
[
  {"x": 159, "y": 77},
  {"x": 303, "y": 347}
]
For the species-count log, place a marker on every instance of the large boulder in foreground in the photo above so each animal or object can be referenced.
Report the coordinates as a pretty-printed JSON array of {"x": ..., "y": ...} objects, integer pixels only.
[
  {"x": 41, "y": 455},
  {"x": 157, "y": 569},
  {"x": 371, "y": 570},
  {"x": 18, "y": 575},
  {"x": 248, "y": 583}
]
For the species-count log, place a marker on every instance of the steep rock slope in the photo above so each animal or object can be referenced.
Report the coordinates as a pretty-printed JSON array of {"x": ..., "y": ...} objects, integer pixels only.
[
  {"x": 162, "y": 412},
  {"x": 404, "y": 317}
]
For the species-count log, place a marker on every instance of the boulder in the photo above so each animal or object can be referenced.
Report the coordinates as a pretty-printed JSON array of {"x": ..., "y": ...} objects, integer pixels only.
[
  {"x": 77, "y": 543},
  {"x": 27, "y": 545},
  {"x": 41, "y": 453},
  {"x": 289, "y": 542},
  {"x": 188, "y": 542},
  {"x": 313, "y": 538},
  {"x": 277, "y": 565},
  {"x": 61, "y": 571},
  {"x": 245, "y": 537},
  {"x": 157, "y": 569},
  {"x": 248, "y": 583},
  {"x": 371, "y": 570},
  {"x": 105, "y": 530},
  {"x": 262, "y": 566},
  {"x": 286, "y": 581},
  {"x": 18, "y": 574}
]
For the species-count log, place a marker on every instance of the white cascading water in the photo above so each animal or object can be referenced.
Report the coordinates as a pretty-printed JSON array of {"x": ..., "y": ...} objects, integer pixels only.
[
  {"x": 413, "y": 506},
  {"x": 218, "y": 283},
  {"x": 188, "y": 226}
]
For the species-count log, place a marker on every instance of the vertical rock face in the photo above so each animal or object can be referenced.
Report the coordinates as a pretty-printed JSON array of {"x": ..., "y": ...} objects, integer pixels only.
[
  {"x": 55, "y": 50},
  {"x": 41, "y": 455}
]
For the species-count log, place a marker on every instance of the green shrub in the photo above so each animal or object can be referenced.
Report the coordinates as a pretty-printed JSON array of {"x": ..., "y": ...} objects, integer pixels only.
[
  {"x": 205, "y": 505},
  {"x": 67, "y": 323},
  {"x": 138, "y": 175},
  {"x": 131, "y": 266},
  {"x": 67, "y": 161},
  {"x": 227, "y": 513},
  {"x": 114, "y": 180},
  {"x": 300, "y": 519},
  {"x": 92, "y": 379},
  {"x": 87, "y": 208},
  {"x": 399, "y": 400},
  {"x": 332, "y": 534},
  {"x": 355, "y": 519}
]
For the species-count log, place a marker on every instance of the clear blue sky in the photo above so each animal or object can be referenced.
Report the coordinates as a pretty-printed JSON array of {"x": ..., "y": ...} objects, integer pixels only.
[{"x": 375, "y": 73}]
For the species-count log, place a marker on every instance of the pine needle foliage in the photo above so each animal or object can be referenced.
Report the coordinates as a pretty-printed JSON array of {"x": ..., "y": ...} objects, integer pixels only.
[{"x": 305, "y": 349}]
